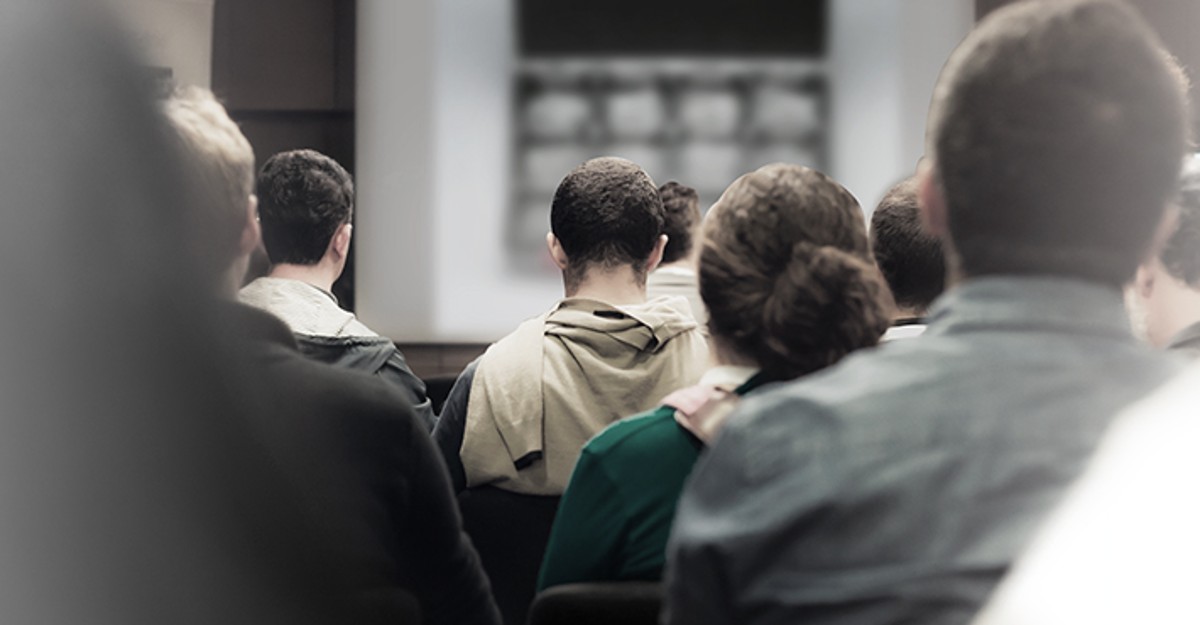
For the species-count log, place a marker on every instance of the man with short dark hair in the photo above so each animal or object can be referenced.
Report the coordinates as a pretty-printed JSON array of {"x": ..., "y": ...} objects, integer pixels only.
[
  {"x": 518, "y": 416},
  {"x": 676, "y": 274},
  {"x": 909, "y": 258},
  {"x": 392, "y": 497},
  {"x": 1165, "y": 294},
  {"x": 305, "y": 204},
  {"x": 899, "y": 486}
]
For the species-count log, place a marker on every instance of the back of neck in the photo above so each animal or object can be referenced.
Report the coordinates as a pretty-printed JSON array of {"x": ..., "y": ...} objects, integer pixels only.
[
  {"x": 618, "y": 287},
  {"x": 317, "y": 275}
]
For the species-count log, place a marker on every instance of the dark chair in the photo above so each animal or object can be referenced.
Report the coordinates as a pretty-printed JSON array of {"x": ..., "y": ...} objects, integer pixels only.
[
  {"x": 598, "y": 603},
  {"x": 510, "y": 532}
]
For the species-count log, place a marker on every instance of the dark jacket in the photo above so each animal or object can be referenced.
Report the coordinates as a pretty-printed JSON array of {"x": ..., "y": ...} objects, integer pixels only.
[
  {"x": 395, "y": 498},
  {"x": 377, "y": 356},
  {"x": 448, "y": 434}
]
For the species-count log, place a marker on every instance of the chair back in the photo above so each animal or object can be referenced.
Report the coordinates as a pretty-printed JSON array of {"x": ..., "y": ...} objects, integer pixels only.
[
  {"x": 598, "y": 603},
  {"x": 510, "y": 532}
]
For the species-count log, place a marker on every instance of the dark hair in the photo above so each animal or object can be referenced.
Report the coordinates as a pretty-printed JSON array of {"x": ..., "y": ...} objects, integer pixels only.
[
  {"x": 1181, "y": 254},
  {"x": 910, "y": 258},
  {"x": 1057, "y": 129},
  {"x": 303, "y": 198},
  {"x": 786, "y": 271},
  {"x": 606, "y": 212},
  {"x": 681, "y": 212}
]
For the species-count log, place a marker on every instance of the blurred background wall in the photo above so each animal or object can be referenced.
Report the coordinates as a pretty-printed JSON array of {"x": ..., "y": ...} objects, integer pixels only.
[
  {"x": 439, "y": 81},
  {"x": 457, "y": 127}
]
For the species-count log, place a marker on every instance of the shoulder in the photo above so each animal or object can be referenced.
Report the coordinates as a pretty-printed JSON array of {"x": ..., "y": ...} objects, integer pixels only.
[
  {"x": 346, "y": 393},
  {"x": 630, "y": 442},
  {"x": 631, "y": 433}
]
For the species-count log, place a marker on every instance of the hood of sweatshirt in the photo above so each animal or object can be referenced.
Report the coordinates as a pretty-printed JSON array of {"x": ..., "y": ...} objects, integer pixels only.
[{"x": 614, "y": 330}]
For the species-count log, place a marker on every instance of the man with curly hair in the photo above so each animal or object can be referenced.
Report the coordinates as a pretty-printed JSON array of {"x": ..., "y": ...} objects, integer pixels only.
[{"x": 1165, "y": 295}]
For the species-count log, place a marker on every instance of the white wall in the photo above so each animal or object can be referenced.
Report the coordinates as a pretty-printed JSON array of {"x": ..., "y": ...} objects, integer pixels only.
[
  {"x": 395, "y": 211},
  {"x": 433, "y": 147},
  {"x": 885, "y": 56},
  {"x": 476, "y": 296},
  {"x": 173, "y": 33}
]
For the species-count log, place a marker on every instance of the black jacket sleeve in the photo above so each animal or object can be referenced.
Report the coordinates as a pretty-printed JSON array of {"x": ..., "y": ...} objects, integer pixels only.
[
  {"x": 396, "y": 372},
  {"x": 451, "y": 581},
  {"x": 448, "y": 434}
]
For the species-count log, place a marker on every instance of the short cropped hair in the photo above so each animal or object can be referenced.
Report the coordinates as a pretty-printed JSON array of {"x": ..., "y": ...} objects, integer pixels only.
[
  {"x": 1181, "y": 255},
  {"x": 303, "y": 198},
  {"x": 220, "y": 164},
  {"x": 1057, "y": 129},
  {"x": 606, "y": 213},
  {"x": 786, "y": 272},
  {"x": 909, "y": 257},
  {"x": 681, "y": 212}
]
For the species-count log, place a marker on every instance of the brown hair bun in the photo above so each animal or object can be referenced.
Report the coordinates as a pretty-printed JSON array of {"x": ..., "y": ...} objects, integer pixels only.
[{"x": 786, "y": 271}]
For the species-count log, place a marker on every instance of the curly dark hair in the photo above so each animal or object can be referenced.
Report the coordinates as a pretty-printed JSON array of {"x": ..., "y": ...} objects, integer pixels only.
[
  {"x": 606, "y": 212},
  {"x": 1181, "y": 254},
  {"x": 1056, "y": 130},
  {"x": 681, "y": 211},
  {"x": 786, "y": 271},
  {"x": 910, "y": 258},
  {"x": 303, "y": 198}
]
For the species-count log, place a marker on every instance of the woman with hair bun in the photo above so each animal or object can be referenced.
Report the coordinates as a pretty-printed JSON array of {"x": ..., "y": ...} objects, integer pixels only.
[{"x": 787, "y": 276}]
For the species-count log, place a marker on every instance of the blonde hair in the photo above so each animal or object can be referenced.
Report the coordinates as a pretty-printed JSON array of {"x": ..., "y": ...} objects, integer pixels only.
[{"x": 219, "y": 163}]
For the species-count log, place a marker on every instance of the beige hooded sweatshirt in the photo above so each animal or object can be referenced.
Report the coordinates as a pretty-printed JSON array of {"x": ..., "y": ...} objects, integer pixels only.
[{"x": 541, "y": 392}]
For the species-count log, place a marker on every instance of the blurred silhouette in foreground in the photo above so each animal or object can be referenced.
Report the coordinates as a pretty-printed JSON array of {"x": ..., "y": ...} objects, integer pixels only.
[
  {"x": 899, "y": 485},
  {"x": 143, "y": 479},
  {"x": 135, "y": 487}
]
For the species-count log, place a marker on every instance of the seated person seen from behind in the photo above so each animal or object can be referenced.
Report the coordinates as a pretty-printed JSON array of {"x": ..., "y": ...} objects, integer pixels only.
[
  {"x": 676, "y": 275},
  {"x": 518, "y": 416},
  {"x": 1165, "y": 296},
  {"x": 899, "y": 485},
  {"x": 306, "y": 201},
  {"x": 786, "y": 273},
  {"x": 909, "y": 257}
]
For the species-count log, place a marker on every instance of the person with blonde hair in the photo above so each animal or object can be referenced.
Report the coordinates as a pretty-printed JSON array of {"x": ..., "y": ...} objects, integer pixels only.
[{"x": 403, "y": 538}]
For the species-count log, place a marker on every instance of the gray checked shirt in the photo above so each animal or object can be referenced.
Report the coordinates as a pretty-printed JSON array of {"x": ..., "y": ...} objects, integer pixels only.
[{"x": 898, "y": 486}]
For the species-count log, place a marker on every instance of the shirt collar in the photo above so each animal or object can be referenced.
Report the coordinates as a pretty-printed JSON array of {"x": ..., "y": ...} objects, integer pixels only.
[
  {"x": 727, "y": 377},
  {"x": 1188, "y": 337},
  {"x": 1031, "y": 302}
]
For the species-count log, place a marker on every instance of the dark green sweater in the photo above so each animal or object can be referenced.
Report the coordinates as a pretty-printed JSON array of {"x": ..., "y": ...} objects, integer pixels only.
[{"x": 616, "y": 514}]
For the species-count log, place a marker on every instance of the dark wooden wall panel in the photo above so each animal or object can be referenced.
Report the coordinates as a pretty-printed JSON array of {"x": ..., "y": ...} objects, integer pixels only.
[
  {"x": 276, "y": 54},
  {"x": 286, "y": 71}
]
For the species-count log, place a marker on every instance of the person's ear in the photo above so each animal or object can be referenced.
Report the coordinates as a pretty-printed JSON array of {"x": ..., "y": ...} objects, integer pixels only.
[
  {"x": 656, "y": 254},
  {"x": 932, "y": 201},
  {"x": 1143, "y": 281},
  {"x": 251, "y": 231},
  {"x": 340, "y": 244},
  {"x": 557, "y": 254}
]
